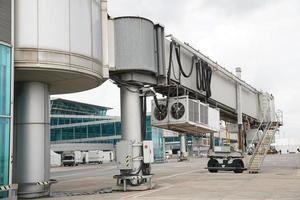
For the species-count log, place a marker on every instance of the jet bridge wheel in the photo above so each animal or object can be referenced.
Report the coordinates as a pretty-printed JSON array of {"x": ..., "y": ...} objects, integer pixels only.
[
  {"x": 213, "y": 163},
  {"x": 238, "y": 164}
]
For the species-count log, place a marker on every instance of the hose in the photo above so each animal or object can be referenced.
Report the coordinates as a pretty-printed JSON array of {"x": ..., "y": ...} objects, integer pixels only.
[
  {"x": 177, "y": 51},
  {"x": 203, "y": 77}
]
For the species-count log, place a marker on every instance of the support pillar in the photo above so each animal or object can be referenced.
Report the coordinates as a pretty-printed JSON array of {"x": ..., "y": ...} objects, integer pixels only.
[
  {"x": 131, "y": 122},
  {"x": 239, "y": 111},
  {"x": 182, "y": 144},
  {"x": 183, "y": 148},
  {"x": 31, "y": 139}
]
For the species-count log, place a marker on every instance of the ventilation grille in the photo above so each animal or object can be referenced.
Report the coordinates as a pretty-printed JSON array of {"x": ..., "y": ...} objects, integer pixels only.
[
  {"x": 203, "y": 114},
  {"x": 193, "y": 111}
]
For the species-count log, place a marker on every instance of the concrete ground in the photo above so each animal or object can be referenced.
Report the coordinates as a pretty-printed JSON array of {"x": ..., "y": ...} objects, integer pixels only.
[{"x": 278, "y": 179}]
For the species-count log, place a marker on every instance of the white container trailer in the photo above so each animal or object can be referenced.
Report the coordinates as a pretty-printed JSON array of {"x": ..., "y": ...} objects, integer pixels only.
[
  {"x": 108, "y": 156},
  {"x": 55, "y": 159},
  {"x": 94, "y": 157}
]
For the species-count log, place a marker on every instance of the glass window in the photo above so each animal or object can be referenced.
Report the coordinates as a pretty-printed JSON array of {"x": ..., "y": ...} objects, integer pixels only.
[
  {"x": 80, "y": 132},
  {"x": 54, "y": 121},
  {"x": 5, "y": 89},
  {"x": 118, "y": 128},
  {"x": 67, "y": 133},
  {"x": 56, "y": 134},
  {"x": 4, "y": 150},
  {"x": 94, "y": 130},
  {"x": 5, "y": 80},
  {"x": 76, "y": 120},
  {"x": 108, "y": 129}
]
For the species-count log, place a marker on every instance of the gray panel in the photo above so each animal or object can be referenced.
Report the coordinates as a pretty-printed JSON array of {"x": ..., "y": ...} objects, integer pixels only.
[
  {"x": 5, "y": 21},
  {"x": 134, "y": 44},
  {"x": 249, "y": 103},
  {"x": 124, "y": 155}
]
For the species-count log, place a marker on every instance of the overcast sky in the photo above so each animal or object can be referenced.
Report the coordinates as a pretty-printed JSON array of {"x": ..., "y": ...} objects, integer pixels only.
[{"x": 261, "y": 36}]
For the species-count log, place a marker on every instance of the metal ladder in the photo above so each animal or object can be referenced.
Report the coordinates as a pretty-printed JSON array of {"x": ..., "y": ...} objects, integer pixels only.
[{"x": 262, "y": 147}]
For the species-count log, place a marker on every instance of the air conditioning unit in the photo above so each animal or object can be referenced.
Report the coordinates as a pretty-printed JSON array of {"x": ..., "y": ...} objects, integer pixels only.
[
  {"x": 183, "y": 114},
  {"x": 159, "y": 112}
]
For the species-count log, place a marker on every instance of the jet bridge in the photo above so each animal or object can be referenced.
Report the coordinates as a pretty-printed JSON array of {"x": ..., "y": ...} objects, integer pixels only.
[{"x": 144, "y": 62}]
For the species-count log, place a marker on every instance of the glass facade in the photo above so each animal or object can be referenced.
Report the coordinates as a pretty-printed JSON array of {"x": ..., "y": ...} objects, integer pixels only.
[
  {"x": 72, "y": 120},
  {"x": 88, "y": 123},
  {"x": 5, "y": 102},
  {"x": 86, "y": 131},
  {"x": 67, "y": 107}
]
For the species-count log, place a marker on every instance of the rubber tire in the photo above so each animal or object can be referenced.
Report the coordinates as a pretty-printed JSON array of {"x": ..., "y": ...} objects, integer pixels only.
[
  {"x": 213, "y": 163},
  {"x": 238, "y": 164}
]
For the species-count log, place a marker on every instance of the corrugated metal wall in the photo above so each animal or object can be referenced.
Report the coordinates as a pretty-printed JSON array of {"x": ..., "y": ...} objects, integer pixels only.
[{"x": 5, "y": 21}]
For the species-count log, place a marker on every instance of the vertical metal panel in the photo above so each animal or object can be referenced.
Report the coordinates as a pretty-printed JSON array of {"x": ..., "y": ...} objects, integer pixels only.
[
  {"x": 160, "y": 47},
  {"x": 250, "y": 103},
  {"x": 53, "y": 24},
  {"x": 66, "y": 25},
  {"x": 80, "y": 27},
  {"x": 26, "y": 26},
  {"x": 134, "y": 44},
  {"x": 5, "y": 21},
  {"x": 96, "y": 30},
  {"x": 59, "y": 36}
]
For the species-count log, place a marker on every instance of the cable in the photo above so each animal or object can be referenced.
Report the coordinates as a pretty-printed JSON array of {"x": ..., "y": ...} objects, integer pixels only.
[
  {"x": 177, "y": 51},
  {"x": 170, "y": 63},
  {"x": 125, "y": 85},
  {"x": 203, "y": 77}
]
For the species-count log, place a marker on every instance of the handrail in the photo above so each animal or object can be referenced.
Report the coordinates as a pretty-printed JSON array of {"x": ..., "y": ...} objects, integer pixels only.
[
  {"x": 265, "y": 153},
  {"x": 256, "y": 133},
  {"x": 260, "y": 141}
]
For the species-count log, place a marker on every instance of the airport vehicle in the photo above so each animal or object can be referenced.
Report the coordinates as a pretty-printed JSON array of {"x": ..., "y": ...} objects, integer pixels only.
[
  {"x": 231, "y": 160},
  {"x": 72, "y": 158},
  {"x": 95, "y": 156}
]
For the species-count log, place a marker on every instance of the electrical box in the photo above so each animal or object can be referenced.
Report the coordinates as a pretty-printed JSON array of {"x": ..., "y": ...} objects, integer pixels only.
[
  {"x": 148, "y": 151},
  {"x": 124, "y": 155}
]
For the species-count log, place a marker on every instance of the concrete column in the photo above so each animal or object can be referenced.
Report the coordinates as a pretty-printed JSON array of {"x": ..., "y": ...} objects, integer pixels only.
[
  {"x": 131, "y": 121},
  {"x": 31, "y": 139}
]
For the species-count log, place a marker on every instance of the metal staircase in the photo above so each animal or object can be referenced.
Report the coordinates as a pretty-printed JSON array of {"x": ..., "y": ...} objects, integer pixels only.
[{"x": 262, "y": 147}]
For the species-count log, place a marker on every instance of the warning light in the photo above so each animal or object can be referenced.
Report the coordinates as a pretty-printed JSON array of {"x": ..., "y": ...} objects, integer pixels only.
[{"x": 146, "y": 146}]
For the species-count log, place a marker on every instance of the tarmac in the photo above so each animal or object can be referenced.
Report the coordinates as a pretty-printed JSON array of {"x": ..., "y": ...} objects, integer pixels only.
[{"x": 279, "y": 178}]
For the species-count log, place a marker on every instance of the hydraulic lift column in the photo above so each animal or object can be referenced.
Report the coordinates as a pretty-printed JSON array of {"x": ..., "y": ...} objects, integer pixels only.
[{"x": 131, "y": 122}]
